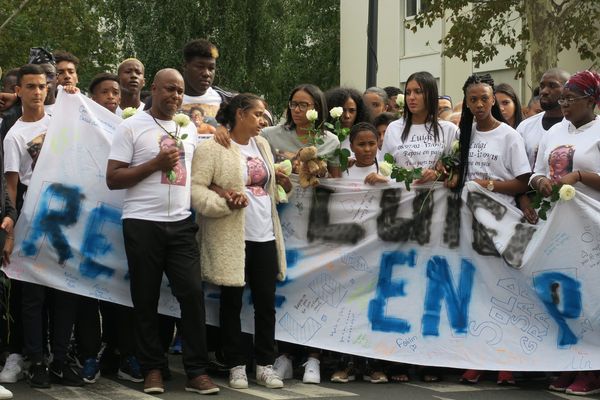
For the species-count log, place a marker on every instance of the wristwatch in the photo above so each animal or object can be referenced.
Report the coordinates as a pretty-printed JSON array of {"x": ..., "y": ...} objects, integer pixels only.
[{"x": 490, "y": 186}]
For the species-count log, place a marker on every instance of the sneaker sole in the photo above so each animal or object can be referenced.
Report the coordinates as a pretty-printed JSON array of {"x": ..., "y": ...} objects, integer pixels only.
[
  {"x": 19, "y": 376},
  {"x": 154, "y": 390},
  {"x": 271, "y": 386},
  {"x": 126, "y": 377},
  {"x": 569, "y": 391},
  {"x": 206, "y": 391},
  {"x": 39, "y": 385},
  {"x": 313, "y": 381},
  {"x": 241, "y": 386},
  {"x": 92, "y": 380}
]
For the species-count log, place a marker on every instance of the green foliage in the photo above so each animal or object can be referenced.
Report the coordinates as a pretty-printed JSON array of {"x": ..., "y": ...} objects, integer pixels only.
[
  {"x": 543, "y": 205},
  {"x": 266, "y": 46},
  {"x": 403, "y": 174},
  {"x": 546, "y": 26},
  {"x": 78, "y": 26}
]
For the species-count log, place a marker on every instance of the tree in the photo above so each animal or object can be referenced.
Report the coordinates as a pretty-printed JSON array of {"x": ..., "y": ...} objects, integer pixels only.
[
  {"x": 266, "y": 46},
  {"x": 546, "y": 28},
  {"x": 78, "y": 26}
]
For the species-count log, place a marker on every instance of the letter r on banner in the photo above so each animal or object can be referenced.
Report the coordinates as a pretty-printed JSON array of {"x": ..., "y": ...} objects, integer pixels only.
[
  {"x": 49, "y": 220},
  {"x": 387, "y": 288}
]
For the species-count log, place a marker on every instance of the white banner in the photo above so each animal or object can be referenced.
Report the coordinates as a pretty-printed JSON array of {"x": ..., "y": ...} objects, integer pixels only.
[{"x": 424, "y": 277}]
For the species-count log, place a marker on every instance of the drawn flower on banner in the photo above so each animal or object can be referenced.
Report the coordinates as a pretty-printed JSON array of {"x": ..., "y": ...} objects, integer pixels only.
[
  {"x": 567, "y": 192},
  {"x": 128, "y": 112},
  {"x": 403, "y": 174}
]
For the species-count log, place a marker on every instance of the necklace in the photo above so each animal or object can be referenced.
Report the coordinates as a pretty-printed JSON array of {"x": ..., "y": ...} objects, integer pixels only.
[{"x": 174, "y": 135}]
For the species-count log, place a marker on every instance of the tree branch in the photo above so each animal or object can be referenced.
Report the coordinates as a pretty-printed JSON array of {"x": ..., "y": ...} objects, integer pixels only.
[{"x": 14, "y": 14}]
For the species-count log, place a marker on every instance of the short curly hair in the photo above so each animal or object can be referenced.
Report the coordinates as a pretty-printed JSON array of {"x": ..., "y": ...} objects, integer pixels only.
[{"x": 199, "y": 48}]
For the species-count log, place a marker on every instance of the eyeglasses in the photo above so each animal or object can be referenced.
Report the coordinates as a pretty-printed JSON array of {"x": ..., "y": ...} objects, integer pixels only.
[
  {"x": 302, "y": 105},
  {"x": 570, "y": 100}
]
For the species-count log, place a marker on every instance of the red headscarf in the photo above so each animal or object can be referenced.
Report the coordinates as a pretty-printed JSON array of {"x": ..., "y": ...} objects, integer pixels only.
[{"x": 586, "y": 82}]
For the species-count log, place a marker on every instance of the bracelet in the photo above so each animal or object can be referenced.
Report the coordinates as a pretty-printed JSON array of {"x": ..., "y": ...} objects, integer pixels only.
[{"x": 580, "y": 180}]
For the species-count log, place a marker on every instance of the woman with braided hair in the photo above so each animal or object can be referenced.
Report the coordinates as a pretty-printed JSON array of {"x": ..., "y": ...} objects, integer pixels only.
[
  {"x": 493, "y": 155},
  {"x": 570, "y": 154}
]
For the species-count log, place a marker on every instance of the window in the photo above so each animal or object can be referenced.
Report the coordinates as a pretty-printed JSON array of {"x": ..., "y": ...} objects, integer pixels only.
[{"x": 412, "y": 7}]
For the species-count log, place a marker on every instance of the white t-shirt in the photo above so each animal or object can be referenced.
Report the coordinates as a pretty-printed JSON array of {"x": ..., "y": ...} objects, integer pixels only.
[
  {"x": 22, "y": 146},
  {"x": 566, "y": 149},
  {"x": 202, "y": 111},
  {"x": 532, "y": 132},
  {"x": 420, "y": 149},
  {"x": 498, "y": 154},
  {"x": 119, "y": 111},
  {"x": 258, "y": 222},
  {"x": 137, "y": 140},
  {"x": 357, "y": 173}
]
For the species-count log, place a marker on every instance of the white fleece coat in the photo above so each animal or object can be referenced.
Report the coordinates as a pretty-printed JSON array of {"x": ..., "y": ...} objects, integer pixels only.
[{"x": 221, "y": 234}]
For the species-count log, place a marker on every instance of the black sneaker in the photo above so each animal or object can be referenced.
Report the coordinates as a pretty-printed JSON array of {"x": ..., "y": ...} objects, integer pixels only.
[
  {"x": 39, "y": 376},
  {"x": 65, "y": 375}
]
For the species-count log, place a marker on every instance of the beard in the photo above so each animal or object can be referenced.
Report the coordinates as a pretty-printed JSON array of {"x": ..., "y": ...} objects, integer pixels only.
[{"x": 549, "y": 106}]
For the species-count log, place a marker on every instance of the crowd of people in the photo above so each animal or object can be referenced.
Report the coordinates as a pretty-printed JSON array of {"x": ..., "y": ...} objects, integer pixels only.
[{"x": 191, "y": 188}]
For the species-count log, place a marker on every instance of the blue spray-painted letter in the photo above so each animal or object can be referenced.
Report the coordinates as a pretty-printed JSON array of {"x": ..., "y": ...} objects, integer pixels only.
[
  {"x": 547, "y": 286},
  {"x": 95, "y": 243},
  {"x": 440, "y": 286},
  {"x": 386, "y": 289},
  {"x": 47, "y": 221}
]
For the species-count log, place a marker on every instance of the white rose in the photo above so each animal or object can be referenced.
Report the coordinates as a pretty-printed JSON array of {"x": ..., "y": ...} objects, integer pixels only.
[
  {"x": 336, "y": 112},
  {"x": 455, "y": 146},
  {"x": 312, "y": 115},
  {"x": 385, "y": 168},
  {"x": 181, "y": 119},
  {"x": 567, "y": 192},
  {"x": 400, "y": 100},
  {"x": 128, "y": 112}
]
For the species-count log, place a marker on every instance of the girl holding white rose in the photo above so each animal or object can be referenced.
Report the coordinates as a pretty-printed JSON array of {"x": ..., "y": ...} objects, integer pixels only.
[
  {"x": 419, "y": 139},
  {"x": 569, "y": 154},
  {"x": 305, "y": 100}
]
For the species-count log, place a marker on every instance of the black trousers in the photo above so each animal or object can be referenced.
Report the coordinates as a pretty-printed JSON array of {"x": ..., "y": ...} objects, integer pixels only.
[
  {"x": 261, "y": 275},
  {"x": 87, "y": 328},
  {"x": 117, "y": 328},
  {"x": 12, "y": 328},
  {"x": 62, "y": 307},
  {"x": 170, "y": 247}
]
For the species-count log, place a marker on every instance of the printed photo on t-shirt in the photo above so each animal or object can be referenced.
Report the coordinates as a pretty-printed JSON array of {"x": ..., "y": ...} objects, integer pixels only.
[
  {"x": 203, "y": 116},
  {"x": 34, "y": 147},
  {"x": 179, "y": 172},
  {"x": 560, "y": 161},
  {"x": 257, "y": 176}
]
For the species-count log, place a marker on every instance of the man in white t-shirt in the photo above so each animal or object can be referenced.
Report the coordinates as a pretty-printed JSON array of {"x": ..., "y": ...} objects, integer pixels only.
[
  {"x": 151, "y": 157},
  {"x": 535, "y": 127},
  {"x": 132, "y": 81},
  {"x": 22, "y": 146}
]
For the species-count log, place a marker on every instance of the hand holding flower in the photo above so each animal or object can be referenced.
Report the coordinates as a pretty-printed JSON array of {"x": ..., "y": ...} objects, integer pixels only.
[
  {"x": 374, "y": 178},
  {"x": 166, "y": 159}
]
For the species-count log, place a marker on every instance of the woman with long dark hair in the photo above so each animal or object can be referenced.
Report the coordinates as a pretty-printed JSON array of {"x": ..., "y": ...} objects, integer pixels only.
[
  {"x": 510, "y": 105},
  {"x": 493, "y": 155},
  {"x": 419, "y": 139},
  {"x": 352, "y": 103}
]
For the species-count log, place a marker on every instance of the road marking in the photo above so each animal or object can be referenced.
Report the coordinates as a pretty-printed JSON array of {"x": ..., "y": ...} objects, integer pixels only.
[
  {"x": 446, "y": 387},
  {"x": 104, "y": 389}
]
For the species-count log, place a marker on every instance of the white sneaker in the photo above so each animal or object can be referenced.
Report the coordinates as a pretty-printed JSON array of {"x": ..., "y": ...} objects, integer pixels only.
[
  {"x": 13, "y": 370},
  {"x": 312, "y": 373},
  {"x": 5, "y": 393},
  {"x": 266, "y": 376},
  {"x": 238, "y": 378},
  {"x": 283, "y": 367}
]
